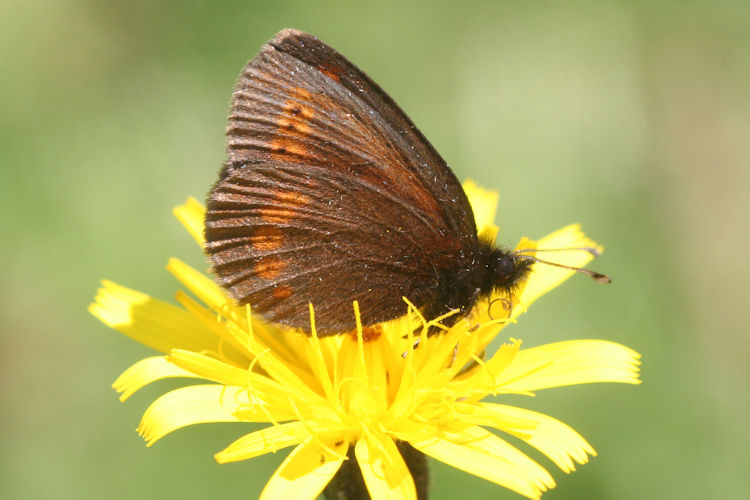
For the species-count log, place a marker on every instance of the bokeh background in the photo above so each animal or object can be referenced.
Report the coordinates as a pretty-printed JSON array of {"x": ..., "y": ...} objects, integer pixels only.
[{"x": 632, "y": 118}]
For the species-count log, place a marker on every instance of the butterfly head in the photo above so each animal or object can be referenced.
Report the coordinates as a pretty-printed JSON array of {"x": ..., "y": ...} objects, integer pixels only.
[{"x": 508, "y": 269}]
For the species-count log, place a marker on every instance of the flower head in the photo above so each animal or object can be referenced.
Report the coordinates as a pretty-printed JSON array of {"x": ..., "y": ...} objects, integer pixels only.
[{"x": 369, "y": 389}]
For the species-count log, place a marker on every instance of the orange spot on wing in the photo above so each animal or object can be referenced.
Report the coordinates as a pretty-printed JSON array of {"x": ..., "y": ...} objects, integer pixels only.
[
  {"x": 295, "y": 108},
  {"x": 277, "y": 215},
  {"x": 293, "y": 197},
  {"x": 369, "y": 333},
  {"x": 292, "y": 127},
  {"x": 283, "y": 147},
  {"x": 286, "y": 207},
  {"x": 295, "y": 127},
  {"x": 269, "y": 267},
  {"x": 267, "y": 238},
  {"x": 332, "y": 72},
  {"x": 282, "y": 292}
]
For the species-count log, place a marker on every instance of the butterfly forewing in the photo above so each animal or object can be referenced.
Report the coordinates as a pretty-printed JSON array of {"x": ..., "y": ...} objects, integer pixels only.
[{"x": 329, "y": 195}]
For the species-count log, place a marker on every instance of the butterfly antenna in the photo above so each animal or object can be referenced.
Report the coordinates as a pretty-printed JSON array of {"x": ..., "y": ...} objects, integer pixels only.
[
  {"x": 593, "y": 251},
  {"x": 598, "y": 277}
]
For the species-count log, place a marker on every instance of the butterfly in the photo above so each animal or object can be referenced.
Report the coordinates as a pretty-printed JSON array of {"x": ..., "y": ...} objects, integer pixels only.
[{"x": 331, "y": 194}]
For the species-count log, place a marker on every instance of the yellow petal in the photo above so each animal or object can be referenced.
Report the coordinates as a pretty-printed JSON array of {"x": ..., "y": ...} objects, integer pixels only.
[
  {"x": 213, "y": 296},
  {"x": 481, "y": 453},
  {"x": 317, "y": 362},
  {"x": 146, "y": 371},
  {"x": 544, "y": 278},
  {"x": 191, "y": 214},
  {"x": 201, "y": 285},
  {"x": 267, "y": 440},
  {"x": 195, "y": 404},
  {"x": 558, "y": 441},
  {"x": 231, "y": 347},
  {"x": 149, "y": 321},
  {"x": 481, "y": 414},
  {"x": 267, "y": 396},
  {"x": 384, "y": 470},
  {"x": 208, "y": 367},
  {"x": 484, "y": 205},
  {"x": 568, "y": 363},
  {"x": 482, "y": 379},
  {"x": 307, "y": 470}
]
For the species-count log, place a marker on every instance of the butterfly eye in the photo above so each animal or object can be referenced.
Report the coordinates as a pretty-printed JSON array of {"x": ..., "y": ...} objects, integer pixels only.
[{"x": 504, "y": 268}]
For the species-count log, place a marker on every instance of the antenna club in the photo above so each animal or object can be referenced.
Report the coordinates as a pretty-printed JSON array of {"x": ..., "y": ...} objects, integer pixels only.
[{"x": 601, "y": 278}]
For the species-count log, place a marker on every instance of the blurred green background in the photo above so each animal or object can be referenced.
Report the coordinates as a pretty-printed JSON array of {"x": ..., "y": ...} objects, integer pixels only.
[{"x": 632, "y": 118}]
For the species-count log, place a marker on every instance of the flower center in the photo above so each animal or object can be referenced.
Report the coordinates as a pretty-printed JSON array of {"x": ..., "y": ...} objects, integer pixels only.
[{"x": 365, "y": 404}]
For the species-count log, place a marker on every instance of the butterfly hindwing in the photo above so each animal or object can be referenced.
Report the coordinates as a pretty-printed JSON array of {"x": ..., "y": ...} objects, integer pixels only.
[{"x": 277, "y": 248}]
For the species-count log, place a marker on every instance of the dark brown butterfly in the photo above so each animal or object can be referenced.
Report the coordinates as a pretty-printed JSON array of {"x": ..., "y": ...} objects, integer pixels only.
[{"x": 331, "y": 194}]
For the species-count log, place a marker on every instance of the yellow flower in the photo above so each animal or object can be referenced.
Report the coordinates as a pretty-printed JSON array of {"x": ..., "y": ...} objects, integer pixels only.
[{"x": 370, "y": 389}]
